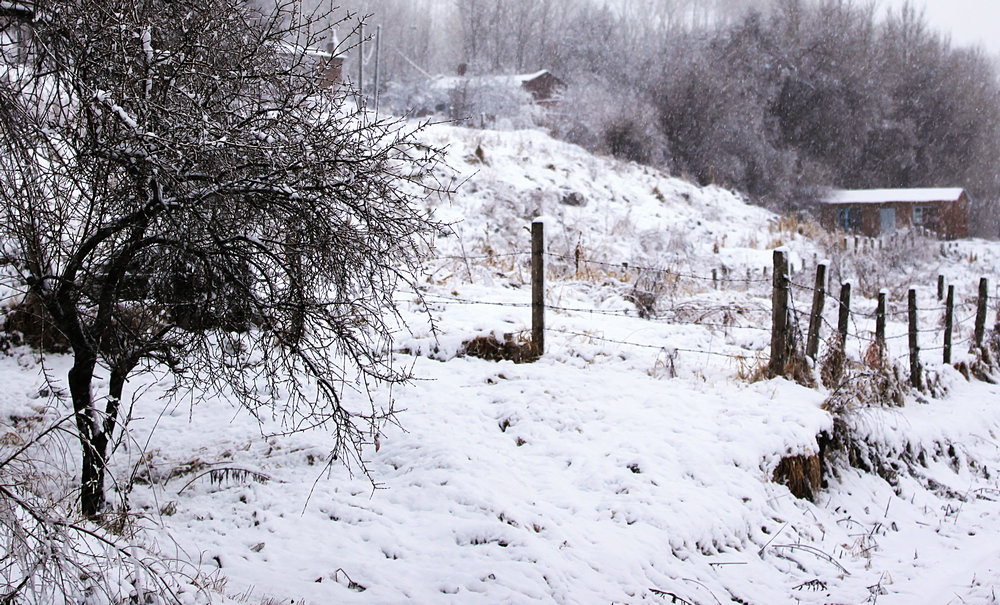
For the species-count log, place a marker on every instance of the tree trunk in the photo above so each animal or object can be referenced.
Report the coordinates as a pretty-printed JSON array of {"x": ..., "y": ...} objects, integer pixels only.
[
  {"x": 95, "y": 456},
  {"x": 92, "y": 478},
  {"x": 92, "y": 439}
]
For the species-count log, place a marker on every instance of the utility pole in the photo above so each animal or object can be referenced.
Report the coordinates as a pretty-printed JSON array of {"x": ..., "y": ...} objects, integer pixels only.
[
  {"x": 378, "y": 57},
  {"x": 361, "y": 62}
]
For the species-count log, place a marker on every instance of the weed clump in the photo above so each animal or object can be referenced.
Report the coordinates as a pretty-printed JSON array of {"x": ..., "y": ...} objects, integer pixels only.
[
  {"x": 985, "y": 364},
  {"x": 646, "y": 293},
  {"x": 28, "y": 323},
  {"x": 802, "y": 474},
  {"x": 489, "y": 348}
]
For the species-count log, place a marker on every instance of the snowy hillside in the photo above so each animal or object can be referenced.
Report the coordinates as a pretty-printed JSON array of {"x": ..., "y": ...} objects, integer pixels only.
[{"x": 633, "y": 462}]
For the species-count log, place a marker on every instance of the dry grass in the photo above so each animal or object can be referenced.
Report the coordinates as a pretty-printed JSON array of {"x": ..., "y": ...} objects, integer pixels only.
[
  {"x": 665, "y": 365},
  {"x": 27, "y": 322},
  {"x": 833, "y": 363},
  {"x": 802, "y": 474},
  {"x": 521, "y": 350},
  {"x": 752, "y": 369}
]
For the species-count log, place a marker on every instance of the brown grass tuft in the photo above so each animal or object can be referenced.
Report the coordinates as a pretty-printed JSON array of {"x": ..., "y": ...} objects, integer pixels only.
[
  {"x": 833, "y": 363},
  {"x": 802, "y": 475},
  {"x": 488, "y": 347},
  {"x": 27, "y": 322}
]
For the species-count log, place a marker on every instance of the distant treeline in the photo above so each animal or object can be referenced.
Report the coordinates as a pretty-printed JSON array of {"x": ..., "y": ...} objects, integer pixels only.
[{"x": 772, "y": 101}]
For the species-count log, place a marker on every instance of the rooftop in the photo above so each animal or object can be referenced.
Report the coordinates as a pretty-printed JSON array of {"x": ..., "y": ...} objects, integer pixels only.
[{"x": 879, "y": 196}]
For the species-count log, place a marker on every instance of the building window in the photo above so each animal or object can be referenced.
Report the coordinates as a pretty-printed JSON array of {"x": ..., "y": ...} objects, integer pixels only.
[
  {"x": 925, "y": 216},
  {"x": 849, "y": 219}
]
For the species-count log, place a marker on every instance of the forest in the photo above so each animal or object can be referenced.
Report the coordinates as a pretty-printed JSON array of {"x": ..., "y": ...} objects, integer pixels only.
[{"x": 773, "y": 100}]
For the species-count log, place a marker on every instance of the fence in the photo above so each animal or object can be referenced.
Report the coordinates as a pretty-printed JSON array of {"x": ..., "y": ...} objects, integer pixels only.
[{"x": 785, "y": 318}]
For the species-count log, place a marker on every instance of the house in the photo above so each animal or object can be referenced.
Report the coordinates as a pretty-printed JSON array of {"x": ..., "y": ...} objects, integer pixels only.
[
  {"x": 541, "y": 86},
  {"x": 877, "y": 212},
  {"x": 328, "y": 65}
]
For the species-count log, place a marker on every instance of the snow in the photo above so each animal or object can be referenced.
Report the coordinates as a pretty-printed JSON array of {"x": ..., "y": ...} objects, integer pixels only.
[
  {"x": 504, "y": 81},
  {"x": 147, "y": 45},
  {"x": 605, "y": 472},
  {"x": 307, "y": 51},
  {"x": 879, "y": 196},
  {"x": 106, "y": 98}
]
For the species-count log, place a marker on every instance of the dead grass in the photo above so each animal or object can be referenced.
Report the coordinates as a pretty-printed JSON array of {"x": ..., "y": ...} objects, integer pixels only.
[
  {"x": 521, "y": 350},
  {"x": 751, "y": 369},
  {"x": 27, "y": 322},
  {"x": 647, "y": 291},
  {"x": 833, "y": 363},
  {"x": 985, "y": 364},
  {"x": 797, "y": 367},
  {"x": 802, "y": 474}
]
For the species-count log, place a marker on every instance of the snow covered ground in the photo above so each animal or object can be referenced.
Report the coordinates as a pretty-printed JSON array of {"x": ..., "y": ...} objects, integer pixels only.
[{"x": 633, "y": 462}]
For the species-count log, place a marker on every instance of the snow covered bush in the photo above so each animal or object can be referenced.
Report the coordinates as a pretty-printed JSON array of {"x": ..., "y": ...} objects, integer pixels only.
[
  {"x": 498, "y": 102},
  {"x": 51, "y": 555},
  {"x": 601, "y": 117}
]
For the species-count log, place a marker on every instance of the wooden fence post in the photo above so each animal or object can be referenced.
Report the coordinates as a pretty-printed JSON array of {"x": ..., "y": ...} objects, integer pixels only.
[
  {"x": 816, "y": 317},
  {"x": 915, "y": 373},
  {"x": 940, "y": 286},
  {"x": 949, "y": 322},
  {"x": 715, "y": 279},
  {"x": 981, "y": 306},
  {"x": 538, "y": 287},
  {"x": 845, "y": 311},
  {"x": 779, "y": 314},
  {"x": 880, "y": 322}
]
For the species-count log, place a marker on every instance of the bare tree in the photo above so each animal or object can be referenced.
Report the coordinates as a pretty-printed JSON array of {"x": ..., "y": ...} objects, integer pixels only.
[{"x": 178, "y": 189}]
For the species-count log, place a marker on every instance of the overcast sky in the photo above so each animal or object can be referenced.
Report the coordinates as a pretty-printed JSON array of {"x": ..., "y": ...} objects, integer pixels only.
[{"x": 968, "y": 21}]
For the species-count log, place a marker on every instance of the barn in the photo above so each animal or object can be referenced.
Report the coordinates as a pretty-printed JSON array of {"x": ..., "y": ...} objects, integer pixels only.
[
  {"x": 327, "y": 64},
  {"x": 542, "y": 86},
  {"x": 878, "y": 212}
]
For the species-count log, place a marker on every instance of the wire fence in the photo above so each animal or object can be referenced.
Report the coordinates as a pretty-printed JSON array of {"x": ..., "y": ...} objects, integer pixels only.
[{"x": 647, "y": 286}]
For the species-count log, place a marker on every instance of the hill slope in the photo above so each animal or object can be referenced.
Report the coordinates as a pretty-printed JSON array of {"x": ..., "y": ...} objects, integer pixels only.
[{"x": 634, "y": 461}]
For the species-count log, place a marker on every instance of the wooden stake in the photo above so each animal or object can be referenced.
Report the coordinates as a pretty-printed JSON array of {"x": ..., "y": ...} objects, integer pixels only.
[
  {"x": 915, "y": 372},
  {"x": 984, "y": 296},
  {"x": 816, "y": 316},
  {"x": 538, "y": 286},
  {"x": 779, "y": 314},
  {"x": 845, "y": 311},
  {"x": 949, "y": 322},
  {"x": 880, "y": 321}
]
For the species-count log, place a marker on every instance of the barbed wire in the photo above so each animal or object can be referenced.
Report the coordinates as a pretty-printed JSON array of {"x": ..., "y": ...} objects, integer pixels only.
[
  {"x": 628, "y": 266},
  {"x": 855, "y": 317},
  {"x": 446, "y": 300},
  {"x": 665, "y": 348},
  {"x": 858, "y": 334},
  {"x": 480, "y": 256},
  {"x": 938, "y": 347},
  {"x": 662, "y": 318}
]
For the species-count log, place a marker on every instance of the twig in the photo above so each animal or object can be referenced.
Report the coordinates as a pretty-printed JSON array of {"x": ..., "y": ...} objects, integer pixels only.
[
  {"x": 819, "y": 553},
  {"x": 705, "y": 587},
  {"x": 219, "y": 474},
  {"x": 763, "y": 548},
  {"x": 673, "y": 596}
]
